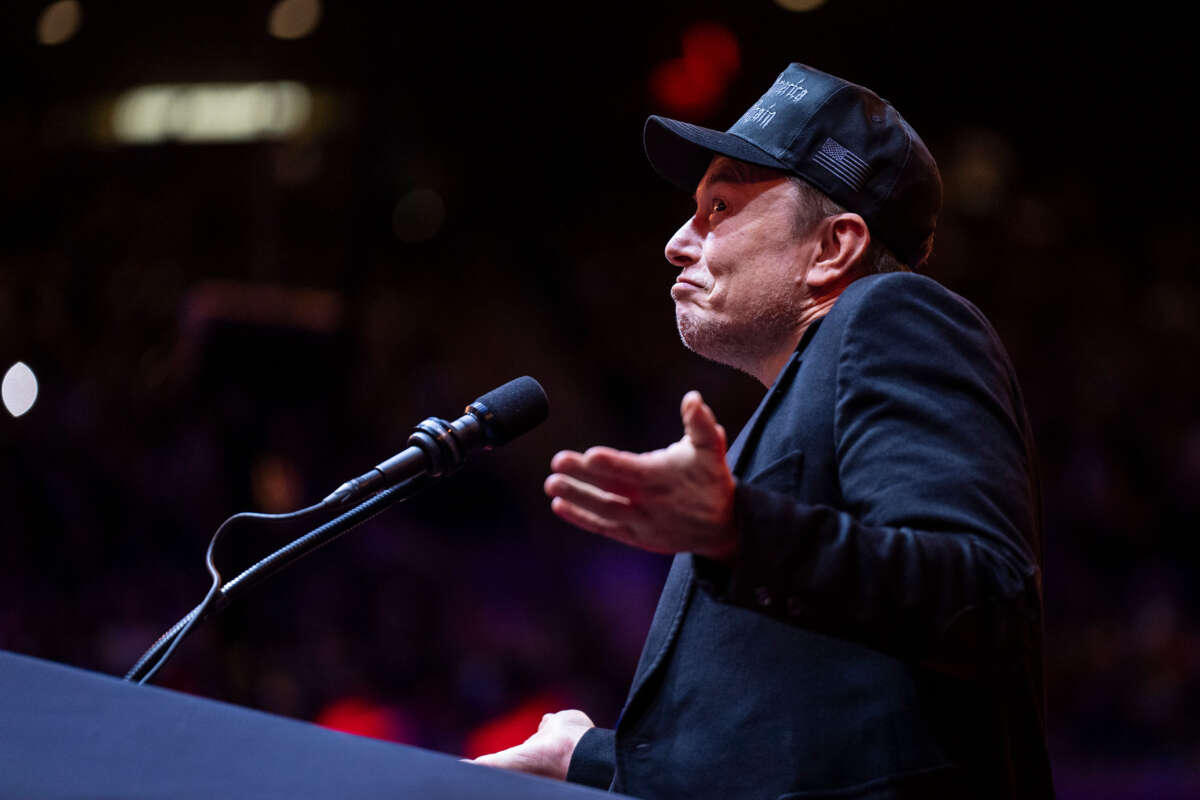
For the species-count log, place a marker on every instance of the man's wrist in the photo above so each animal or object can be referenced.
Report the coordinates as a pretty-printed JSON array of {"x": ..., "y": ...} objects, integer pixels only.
[
  {"x": 725, "y": 539},
  {"x": 569, "y": 751},
  {"x": 594, "y": 759}
]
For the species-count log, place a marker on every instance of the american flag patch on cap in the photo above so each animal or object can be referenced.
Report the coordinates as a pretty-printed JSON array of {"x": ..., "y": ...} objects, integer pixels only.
[{"x": 851, "y": 169}]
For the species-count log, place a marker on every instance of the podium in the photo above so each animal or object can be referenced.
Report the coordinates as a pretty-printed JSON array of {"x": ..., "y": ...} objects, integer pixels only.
[{"x": 69, "y": 733}]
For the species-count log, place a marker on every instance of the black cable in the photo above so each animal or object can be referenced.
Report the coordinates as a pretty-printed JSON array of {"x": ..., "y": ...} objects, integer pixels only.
[
  {"x": 181, "y": 628},
  {"x": 219, "y": 596},
  {"x": 301, "y": 547},
  {"x": 436, "y": 448}
]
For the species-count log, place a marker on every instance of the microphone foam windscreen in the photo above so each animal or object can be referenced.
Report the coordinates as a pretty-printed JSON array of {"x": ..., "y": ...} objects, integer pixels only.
[{"x": 510, "y": 410}]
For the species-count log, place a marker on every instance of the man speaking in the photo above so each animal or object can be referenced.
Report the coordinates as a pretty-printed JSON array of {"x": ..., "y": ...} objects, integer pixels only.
[{"x": 854, "y": 609}]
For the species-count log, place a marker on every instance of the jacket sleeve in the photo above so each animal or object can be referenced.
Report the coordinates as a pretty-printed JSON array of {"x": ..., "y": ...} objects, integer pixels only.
[
  {"x": 933, "y": 552},
  {"x": 594, "y": 760}
]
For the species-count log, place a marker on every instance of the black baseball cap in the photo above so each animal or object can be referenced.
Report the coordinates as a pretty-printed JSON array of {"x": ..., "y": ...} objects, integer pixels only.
[{"x": 840, "y": 137}]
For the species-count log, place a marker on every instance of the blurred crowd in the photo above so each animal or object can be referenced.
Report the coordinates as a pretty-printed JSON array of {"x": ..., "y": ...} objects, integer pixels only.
[{"x": 242, "y": 327}]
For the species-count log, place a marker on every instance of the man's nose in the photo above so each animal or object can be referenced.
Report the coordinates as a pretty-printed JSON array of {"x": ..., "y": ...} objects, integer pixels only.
[{"x": 684, "y": 247}]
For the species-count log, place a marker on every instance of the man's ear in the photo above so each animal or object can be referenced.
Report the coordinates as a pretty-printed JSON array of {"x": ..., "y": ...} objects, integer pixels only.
[{"x": 842, "y": 244}]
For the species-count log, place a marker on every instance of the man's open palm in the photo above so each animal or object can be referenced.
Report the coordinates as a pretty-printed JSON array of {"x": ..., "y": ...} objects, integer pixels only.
[{"x": 677, "y": 499}]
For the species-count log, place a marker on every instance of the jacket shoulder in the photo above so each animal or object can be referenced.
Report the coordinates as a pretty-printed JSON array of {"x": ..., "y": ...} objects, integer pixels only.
[
  {"x": 899, "y": 289},
  {"x": 884, "y": 304}
]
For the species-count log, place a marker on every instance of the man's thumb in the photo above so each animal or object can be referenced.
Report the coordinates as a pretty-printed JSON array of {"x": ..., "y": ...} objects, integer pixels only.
[{"x": 700, "y": 424}]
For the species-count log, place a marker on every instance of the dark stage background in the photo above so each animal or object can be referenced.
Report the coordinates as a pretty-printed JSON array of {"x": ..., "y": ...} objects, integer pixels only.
[{"x": 227, "y": 326}]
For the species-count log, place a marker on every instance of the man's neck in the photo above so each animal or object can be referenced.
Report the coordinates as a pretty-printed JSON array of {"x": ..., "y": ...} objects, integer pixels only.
[{"x": 770, "y": 367}]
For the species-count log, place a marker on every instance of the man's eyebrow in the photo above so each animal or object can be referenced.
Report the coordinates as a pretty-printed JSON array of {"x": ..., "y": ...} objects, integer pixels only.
[{"x": 726, "y": 173}]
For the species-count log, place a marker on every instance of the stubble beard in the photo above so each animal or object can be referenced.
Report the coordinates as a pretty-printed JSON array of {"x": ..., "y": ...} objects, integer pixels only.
[{"x": 744, "y": 345}]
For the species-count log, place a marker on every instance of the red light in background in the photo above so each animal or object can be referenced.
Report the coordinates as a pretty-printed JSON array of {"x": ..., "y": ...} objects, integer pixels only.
[
  {"x": 715, "y": 44},
  {"x": 694, "y": 84},
  {"x": 357, "y": 716},
  {"x": 508, "y": 730}
]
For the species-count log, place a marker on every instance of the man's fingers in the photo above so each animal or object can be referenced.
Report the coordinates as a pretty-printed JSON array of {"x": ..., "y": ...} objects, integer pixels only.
[
  {"x": 594, "y": 523},
  {"x": 612, "y": 470},
  {"x": 591, "y": 522},
  {"x": 589, "y": 497},
  {"x": 564, "y": 460},
  {"x": 521, "y": 758},
  {"x": 700, "y": 423},
  {"x": 548, "y": 751},
  {"x": 504, "y": 759}
]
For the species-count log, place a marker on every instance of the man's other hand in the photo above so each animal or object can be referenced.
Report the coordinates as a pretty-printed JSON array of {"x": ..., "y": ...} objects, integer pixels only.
[
  {"x": 548, "y": 752},
  {"x": 678, "y": 499}
]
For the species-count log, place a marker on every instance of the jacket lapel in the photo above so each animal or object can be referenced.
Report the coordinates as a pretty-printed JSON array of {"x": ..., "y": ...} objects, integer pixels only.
[
  {"x": 737, "y": 454},
  {"x": 743, "y": 446},
  {"x": 679, "y": 586},
  {"x": 677, "y": 591}
]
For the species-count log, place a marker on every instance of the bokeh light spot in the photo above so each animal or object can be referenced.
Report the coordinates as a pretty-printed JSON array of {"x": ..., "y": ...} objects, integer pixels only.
[
  {"x": 211, "y": 112},
  {"x": 694, "y": 84},
  {"x": 511, "y": 728},
  {"x": 418, "y": 216},
  {"x": 800, "y": 5},
  {"x": 979, "y": 173},
  {"x": 714, "y": 44},
  {"x": 294, "y": 19},
  {"x": 20, "y": 389},
  {"x": 363, "y": 718},
  {"x": 277, "y": 484},
  {"x": 59, "y": 21}
]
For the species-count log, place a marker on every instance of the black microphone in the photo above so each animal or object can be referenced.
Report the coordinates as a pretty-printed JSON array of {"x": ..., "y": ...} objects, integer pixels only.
[{"x": 438, "y": 448}]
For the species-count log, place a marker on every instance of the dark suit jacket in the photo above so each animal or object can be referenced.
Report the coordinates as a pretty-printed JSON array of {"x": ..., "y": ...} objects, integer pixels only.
[{"x": 879, "y": 634}]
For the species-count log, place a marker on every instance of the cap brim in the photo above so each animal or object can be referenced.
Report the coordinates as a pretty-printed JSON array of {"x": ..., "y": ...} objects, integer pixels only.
[{"x": 681, "y": 151}]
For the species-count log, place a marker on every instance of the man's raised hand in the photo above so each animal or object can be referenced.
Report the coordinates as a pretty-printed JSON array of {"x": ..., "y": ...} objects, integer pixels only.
[{"x": 678, "y": 499}]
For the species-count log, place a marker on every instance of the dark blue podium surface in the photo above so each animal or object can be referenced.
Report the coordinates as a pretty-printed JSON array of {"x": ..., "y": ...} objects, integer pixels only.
[{"x": 68, "y": 733}]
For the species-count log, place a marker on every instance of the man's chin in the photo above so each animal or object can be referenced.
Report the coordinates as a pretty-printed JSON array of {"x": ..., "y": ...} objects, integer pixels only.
[
  {"x": 687, "y": 325},
  {"x": 716, "y": 342},
  {"x": 697, "y": 336}
]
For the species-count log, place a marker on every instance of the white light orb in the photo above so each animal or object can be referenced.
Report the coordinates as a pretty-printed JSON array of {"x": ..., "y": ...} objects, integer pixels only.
[{"x": 19, "y": 389}]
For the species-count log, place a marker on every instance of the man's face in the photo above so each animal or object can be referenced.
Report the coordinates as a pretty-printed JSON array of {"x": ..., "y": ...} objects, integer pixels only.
[{"x": 740, "y": 290}]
